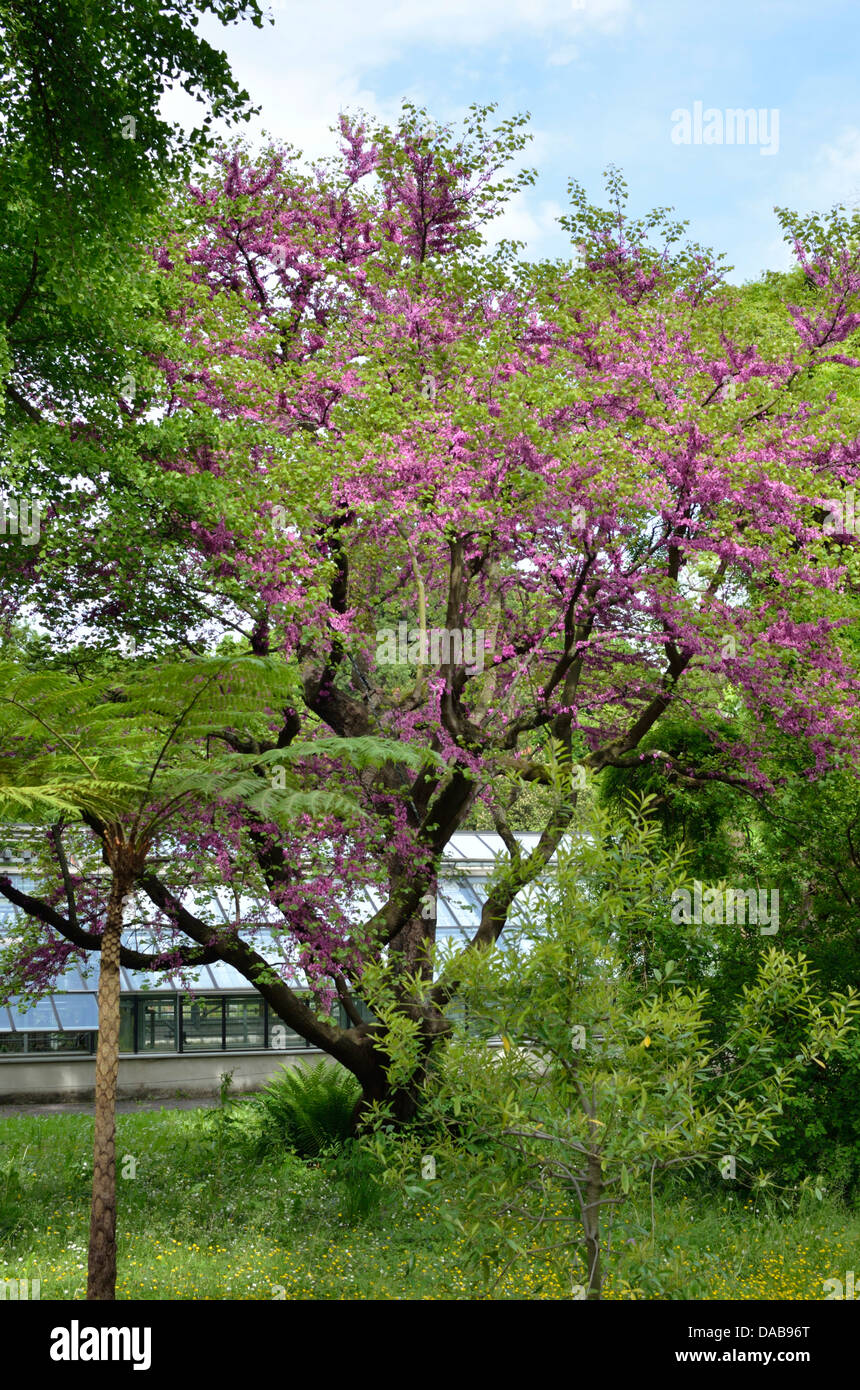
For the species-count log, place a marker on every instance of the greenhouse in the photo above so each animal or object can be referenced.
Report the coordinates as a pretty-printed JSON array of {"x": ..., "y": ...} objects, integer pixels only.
[{"x": 173, "y": 1038}]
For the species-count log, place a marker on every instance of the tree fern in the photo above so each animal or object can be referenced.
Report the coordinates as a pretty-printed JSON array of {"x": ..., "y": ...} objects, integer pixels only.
[{"x": 98, "y": 748}]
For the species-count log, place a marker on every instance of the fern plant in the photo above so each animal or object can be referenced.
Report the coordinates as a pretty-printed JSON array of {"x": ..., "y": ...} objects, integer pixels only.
[
  {"x": 308, "y": 1110},
  {"x": 151, "y": 739}
]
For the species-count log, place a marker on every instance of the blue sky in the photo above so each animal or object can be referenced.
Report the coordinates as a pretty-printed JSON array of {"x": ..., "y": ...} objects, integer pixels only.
[{"x": 601, "y": 79}]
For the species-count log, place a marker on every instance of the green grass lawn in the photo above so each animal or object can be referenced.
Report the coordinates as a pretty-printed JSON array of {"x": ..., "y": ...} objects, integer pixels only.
[{"x": 197, "y": 1221}]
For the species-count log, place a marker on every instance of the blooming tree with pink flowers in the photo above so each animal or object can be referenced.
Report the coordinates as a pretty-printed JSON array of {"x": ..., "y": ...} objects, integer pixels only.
[{"x": 509, "y": 515}]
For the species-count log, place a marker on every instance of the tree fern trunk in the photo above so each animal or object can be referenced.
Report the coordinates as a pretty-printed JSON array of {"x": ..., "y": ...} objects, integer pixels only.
[{"x": 101, "y": 1273}]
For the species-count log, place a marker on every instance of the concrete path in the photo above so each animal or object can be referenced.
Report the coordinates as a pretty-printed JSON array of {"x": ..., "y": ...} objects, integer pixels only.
[{"x": 123, "y": 1107}]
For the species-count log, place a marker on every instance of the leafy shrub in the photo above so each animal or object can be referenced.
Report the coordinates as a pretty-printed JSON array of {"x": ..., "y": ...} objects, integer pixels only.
[
  {"x": 359, "y": 1176},
  {"x": 11, "y": 1193},
  {"x": 820, "y": 1133},
  {"x": 600, "y": 1081},
  {"x": 305, "y": 1109},
  {"x": 243, "y": 1125}
]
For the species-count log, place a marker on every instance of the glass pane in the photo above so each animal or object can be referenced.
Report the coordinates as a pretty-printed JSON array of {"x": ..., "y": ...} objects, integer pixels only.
[
  {"x": 37, "y": 1016},
  {"x": 445, "y": 915},
  {"x": 363, "y": 1012},
  {"x": 280, "y": 1036},
  {"x": 156, "y": 1022},
  {"x": 77, "y": 1010},
  {"x": 11, "y": 1042},
  {"x": 245, "y": 1023},
  {"x": 456, "y": 1011},
  {"x": 5, "y": 1021},
  {"x": 60, "y": 1042},
  {"x": 126, "y": 1025},
  {"x": 201, "y": 1025},
  {"x": 463, "y": 902},
  {"x": 88, "y": 973},
  {"x": 473, "y": 890},
  {"x": 227, "y": 976},
  {"x": 198, "y": 979},
  {"x": 146, "y": 982},
  {"x": 70, "y": 981}
]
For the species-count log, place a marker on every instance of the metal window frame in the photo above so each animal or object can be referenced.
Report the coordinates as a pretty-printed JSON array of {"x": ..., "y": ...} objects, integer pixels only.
[
  {"x": 28, "y": 1051},
  {"x": 181, "y": 1001},
  {"x": 142, "y": 998}
]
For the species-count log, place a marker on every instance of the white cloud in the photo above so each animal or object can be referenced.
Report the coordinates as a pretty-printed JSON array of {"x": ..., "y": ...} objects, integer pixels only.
[
  {"x": 534, "y": 223},
  {"x": 380, "y": 33},
  {"x": 832, "y": 177},
  {"x": 827, "y": 175},
  {"x": 327, "y": 56},
  {"x": 560, "y": 57}
]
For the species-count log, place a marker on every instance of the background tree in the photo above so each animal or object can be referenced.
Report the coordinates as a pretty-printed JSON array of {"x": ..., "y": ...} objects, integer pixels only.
[
  {"x": 85, "y": 157},
  {"x": 798, "y": 841}
]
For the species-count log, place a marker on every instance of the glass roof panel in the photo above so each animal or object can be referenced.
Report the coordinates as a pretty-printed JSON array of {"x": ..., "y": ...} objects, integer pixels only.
[
  {"x": 493, "y": 846},
  {"x": 444, "y": 912},
  {"x": 77, "y": 1011},
  {"x": 198, "y": 981},
  {"x": 226, "y": 976},
  {"x": 147, "y": 982},
  {"x": 455, "y": 933},
  {"x": 72, "y": 982},
  {"x": 38, "y": 1018},
  {"x": 455, "y": 849},
  {"x": 458, "y": 906}
]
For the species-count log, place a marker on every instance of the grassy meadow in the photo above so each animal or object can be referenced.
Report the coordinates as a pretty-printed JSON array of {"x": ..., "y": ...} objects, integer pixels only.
[{"x": 198, "y": 1221}]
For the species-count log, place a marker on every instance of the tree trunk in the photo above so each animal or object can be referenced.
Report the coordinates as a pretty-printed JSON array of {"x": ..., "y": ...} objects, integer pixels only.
[
  {"x": 404, "y": 1100},
  {"x": 404, "y": 1103},
  {"x": 591, "y": 1224},
  {"x": 101, "y": 1273}
]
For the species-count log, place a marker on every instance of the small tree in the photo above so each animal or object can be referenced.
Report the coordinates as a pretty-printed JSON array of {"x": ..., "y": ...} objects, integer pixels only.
[
  {"x": 75, "y": 752},
  {"x": 602, "y": 1082}
]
